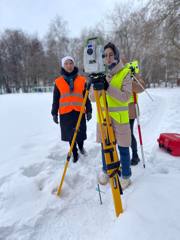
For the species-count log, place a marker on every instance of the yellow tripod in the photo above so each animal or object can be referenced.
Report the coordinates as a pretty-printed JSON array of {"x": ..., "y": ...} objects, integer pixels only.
[{"x": 107, "y": 139}]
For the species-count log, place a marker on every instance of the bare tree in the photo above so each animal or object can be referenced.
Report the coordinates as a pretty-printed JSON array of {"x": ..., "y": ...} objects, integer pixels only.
[
  {"x": 56, "y": 45},
  {"x": 151, "y": 35},
  {"x": 14, "y": 48},
  {"x": 22, "y": 60}
]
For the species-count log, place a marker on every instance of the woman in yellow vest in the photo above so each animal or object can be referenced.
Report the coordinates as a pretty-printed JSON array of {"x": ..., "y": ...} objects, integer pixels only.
[
  {"x": 118, "y": 92},
  {"x": 68, "y": 96}
]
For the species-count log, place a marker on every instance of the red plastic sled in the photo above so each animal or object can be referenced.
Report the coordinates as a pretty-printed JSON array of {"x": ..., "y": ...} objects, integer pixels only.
[{"x": 171, "y": 142}]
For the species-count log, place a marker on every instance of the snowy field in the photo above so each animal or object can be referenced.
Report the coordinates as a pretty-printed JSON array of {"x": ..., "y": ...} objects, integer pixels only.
[{"x": 32, "y": 159}]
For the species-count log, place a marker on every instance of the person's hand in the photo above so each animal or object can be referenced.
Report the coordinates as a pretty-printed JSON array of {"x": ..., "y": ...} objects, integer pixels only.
[
  {"x": 55, "y": 119},
  {"x": 108, "y": 77},
  {"x": 88, "y": 116}
]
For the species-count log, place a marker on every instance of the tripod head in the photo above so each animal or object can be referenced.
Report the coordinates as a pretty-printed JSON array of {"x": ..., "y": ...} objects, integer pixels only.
[
  {"x": 133, "y": 67},
  {"x": 98, "y": 80}
]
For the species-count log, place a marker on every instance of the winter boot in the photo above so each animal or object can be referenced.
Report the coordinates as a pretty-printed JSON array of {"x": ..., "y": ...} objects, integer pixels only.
[
  {"x": 135, "y": 160},
  {"x": 103, "y": 178},
  {"x": 83, "y": 151},
  {"x": 125, "y": 182},
  {"x": 75, "y": 157}
]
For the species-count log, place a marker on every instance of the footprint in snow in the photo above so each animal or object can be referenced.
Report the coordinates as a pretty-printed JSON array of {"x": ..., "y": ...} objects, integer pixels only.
[{"x": 33, "y": 170}]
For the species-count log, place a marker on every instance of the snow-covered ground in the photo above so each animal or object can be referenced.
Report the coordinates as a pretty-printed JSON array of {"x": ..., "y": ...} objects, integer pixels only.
[{"x": 32, "y": 159}]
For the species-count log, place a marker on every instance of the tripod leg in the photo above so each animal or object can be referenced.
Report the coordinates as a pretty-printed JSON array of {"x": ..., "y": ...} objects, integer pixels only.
[
  {"x": 110, "y": 154},
  {"x": 139, "y": 128},
  {"x": 73, "y": 141},
  {"x": 109, "y": 124}
]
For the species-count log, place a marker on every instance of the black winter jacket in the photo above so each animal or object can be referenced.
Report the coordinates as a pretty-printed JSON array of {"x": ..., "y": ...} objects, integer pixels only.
[{"x": 68, "y": 121}]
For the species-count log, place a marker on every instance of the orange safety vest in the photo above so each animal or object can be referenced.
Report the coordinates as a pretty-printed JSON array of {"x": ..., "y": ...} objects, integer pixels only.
[{"x": 70, "y": 101}]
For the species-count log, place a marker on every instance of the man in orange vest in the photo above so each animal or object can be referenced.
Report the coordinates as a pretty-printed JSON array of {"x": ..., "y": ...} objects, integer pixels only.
[{"x": 69, "y": 90}]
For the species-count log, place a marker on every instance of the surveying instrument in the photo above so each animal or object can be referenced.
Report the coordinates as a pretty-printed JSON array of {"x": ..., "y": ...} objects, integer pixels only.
[{"x": 94, "y": 67}]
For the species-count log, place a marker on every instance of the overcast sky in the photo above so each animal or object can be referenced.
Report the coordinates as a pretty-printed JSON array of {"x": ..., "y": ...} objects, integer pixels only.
[{"x": 34, "y": 16}]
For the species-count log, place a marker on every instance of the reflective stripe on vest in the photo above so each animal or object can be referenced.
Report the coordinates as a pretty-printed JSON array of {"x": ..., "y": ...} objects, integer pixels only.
[
  {"x": 70, "y": 104},
  {"x": 71, "y": 95},
  {"x": 70, "y": 101},
  {"x": 117, "y": 110}
]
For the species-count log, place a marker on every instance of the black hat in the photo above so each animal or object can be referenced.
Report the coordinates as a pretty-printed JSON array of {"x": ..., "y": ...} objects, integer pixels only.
[{"x": 114, "y": 48}]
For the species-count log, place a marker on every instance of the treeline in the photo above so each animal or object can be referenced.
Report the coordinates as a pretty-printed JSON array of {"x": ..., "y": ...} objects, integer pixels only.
[{"x": 150, "y": 34}]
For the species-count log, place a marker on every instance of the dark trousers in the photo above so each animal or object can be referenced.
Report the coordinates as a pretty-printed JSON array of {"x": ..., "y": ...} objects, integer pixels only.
[
  {"x": 133, "y": 139},
  {"x": 75, "y": 150}
]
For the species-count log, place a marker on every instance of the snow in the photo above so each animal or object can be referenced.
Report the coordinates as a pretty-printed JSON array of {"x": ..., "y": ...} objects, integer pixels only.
[{"x": 32, "y": 160}]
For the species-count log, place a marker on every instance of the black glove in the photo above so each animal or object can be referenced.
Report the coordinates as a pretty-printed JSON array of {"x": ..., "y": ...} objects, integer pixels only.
[
  {"x": 55, "y": 119},
  {"x": 106, "y": 84},
  {"x": 99, "y": 81},
  {"x": 101, "y": 85},
  {"x": 98, "y": 86},
  {"x": 88, "y": 116}
]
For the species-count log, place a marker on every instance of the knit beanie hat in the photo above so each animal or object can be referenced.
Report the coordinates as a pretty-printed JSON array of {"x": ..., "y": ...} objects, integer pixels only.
[{"x": 64, "y": 59}]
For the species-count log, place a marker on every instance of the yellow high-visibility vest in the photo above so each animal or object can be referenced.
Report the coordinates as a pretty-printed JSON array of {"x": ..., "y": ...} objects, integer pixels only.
[{"x": 117, "y": 110}]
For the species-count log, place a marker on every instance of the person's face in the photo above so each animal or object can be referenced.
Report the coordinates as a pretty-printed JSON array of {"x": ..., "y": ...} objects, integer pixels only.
[
  {"x": 108, "y": 56},
  {"x": 69, "y": 66}
]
